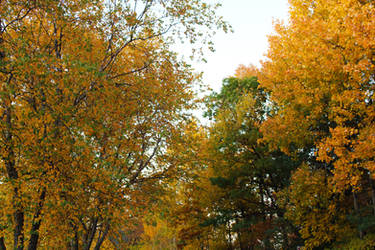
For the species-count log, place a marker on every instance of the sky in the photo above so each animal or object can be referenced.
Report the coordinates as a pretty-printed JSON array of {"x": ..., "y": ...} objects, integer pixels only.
[{"x": 251, "y": 21}]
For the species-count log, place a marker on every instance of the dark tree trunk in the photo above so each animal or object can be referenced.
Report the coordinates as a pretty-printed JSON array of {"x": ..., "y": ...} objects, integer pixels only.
[
  {"x": 102, "y": 237},
  {"x": 90, "y": 234},
  {"x": 73, "y": 244},
  {"x": 372, "y": 192},
  {"x": 18, "y": 229},
  {"x": 356, "y": 209},
  {"x": 2, "y": 244},
  {"x": 75, "y": 241},
  {"x": 13, "y": 176},
  {"x": 36, "y": 222}
]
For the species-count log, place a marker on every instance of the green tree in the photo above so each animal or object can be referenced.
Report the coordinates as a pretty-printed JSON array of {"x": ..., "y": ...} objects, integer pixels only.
[{"x": 248, "y": 171}]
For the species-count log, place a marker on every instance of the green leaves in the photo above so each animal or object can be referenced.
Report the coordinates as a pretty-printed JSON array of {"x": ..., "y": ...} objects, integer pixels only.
[{"x": 245, "y": 170}]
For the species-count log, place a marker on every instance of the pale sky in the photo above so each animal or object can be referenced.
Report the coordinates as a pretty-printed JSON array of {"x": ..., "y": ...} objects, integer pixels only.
[{"x": 252, "y": 22}]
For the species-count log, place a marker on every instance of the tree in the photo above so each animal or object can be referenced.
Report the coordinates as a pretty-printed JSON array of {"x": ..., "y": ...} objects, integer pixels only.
[
  {"x": 311, "y": 202},
  {"x": 84, "y": 123},
  {"x": 319, "y": 70},
  {"x": 248, "y": 172}
]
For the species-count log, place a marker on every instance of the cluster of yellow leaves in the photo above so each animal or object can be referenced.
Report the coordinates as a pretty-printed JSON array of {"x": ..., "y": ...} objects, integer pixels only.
[
  {"x": 320, "y": 73},
  {"x": 90, "y": 99},
  {"x": 243, "y": 71},
  {"x": 311, "y": 203}
]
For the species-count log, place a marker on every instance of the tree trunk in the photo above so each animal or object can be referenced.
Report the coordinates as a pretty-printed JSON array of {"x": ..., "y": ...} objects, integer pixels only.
[
  {"x": 102, "y": 237},
  {"x": 372, "y": 192},
  {"x": 240, "y": 240},
  {"x": 264, "y": 210},
  {"x": 91, "y": 234},
  {"x": 75, "y": 244},
  {"x": 18, "y": 229},
  {"x": 36, "y": 222},
  {"x": 356, "y": 209},
  {"x": 10, "y": 165},
  {"x": 2, "y": 244}
]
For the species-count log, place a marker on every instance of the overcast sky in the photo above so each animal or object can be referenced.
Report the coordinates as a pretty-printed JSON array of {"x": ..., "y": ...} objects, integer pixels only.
[{"x": 252, "y": 22}]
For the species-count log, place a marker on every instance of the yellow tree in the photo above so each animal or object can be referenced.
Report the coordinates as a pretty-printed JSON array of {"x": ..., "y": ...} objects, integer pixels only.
[
  {"x": 320, "y": 71},
  {"x": 310, "y": 202},
  {"x": 90, "y": 97},
  {"x": 188, "y": 199}
]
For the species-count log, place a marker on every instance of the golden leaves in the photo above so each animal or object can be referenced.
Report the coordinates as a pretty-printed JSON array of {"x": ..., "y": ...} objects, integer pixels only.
[
  {"x": 96, "y": 98},
  {"x": 319, "y": 70}
]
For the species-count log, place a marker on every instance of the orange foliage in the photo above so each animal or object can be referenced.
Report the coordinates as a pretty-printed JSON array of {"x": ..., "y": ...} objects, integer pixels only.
[
  {"x": 243, "y": 71},
  {"x": 320, "y": 70},
  {"x": 320, "y": 73},
  {"x": 91, "y": 98}
]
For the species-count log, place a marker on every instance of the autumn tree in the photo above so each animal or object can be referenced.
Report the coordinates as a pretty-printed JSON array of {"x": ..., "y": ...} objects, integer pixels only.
[
  {"x": 190, "y": 194},
  {"x": 320, "y": 72},
  {"x": 84, "y": 121}
]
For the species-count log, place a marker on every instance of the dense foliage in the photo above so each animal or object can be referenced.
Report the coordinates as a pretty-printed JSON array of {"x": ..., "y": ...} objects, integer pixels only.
[
  {"x": 98, "y": 148},
  {"x": 289, "y": 154},
  {"x": 91, "y": 97}
]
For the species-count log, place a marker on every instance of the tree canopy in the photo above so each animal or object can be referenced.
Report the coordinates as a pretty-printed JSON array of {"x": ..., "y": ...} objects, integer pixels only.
[
  {"x": 91, "y": 98},
  {"x": 99, "y": 147}
]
